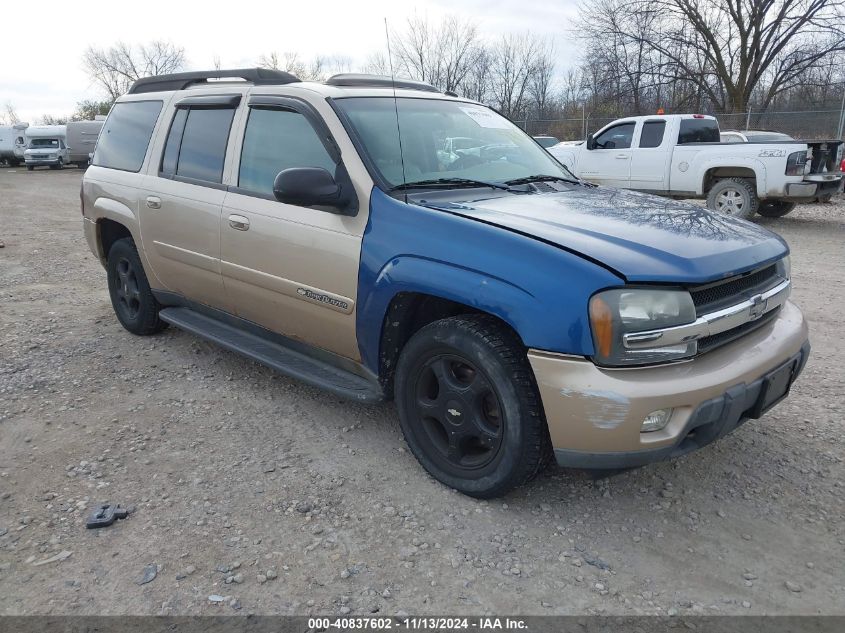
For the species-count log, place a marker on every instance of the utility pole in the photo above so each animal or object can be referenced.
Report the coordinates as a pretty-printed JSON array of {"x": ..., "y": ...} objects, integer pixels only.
[{"x": 748, "y": 119}]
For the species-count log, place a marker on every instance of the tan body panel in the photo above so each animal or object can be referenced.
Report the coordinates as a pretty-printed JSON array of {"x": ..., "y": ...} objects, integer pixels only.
[
  {"x": 182, "y": 238},
  {"x": 593, "y": 410},
  {"x": 113, "y": 195},
  {"x": 295, "y": 267}
]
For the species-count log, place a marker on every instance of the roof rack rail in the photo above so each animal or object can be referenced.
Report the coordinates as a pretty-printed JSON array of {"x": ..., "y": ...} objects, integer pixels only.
[
  {"x": 350, "y": 80},
  {"x": 180, "y": 81}
]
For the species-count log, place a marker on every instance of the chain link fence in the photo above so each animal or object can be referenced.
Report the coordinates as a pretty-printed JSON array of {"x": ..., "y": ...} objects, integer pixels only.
[{"x": 813, "y": 124}]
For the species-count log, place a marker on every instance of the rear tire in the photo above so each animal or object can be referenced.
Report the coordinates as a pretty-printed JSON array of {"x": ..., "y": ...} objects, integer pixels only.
[
  {"x": 131, "y": 297},
  {"x": 30, "y": 167},
  {"x": 469, "y": 406},
  {"x": 736, "y": 197},
  {"x": 775, "y": 208}
]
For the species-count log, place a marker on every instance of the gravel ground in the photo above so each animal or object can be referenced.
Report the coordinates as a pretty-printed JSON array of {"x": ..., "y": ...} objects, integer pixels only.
[{"x": 252, "y": 492}]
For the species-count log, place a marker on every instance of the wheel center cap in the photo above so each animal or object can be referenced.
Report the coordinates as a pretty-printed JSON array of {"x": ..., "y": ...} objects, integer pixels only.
[{"x": 454, "y": 413}]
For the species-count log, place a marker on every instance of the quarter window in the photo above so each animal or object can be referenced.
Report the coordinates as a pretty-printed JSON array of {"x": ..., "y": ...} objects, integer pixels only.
[
  {"x": 652, "y": 134},
  {"x": 126, "y": 135},
  {"x": 617, "y": 137},
  {"x": 196, "y": 143},
  {"x": 275, "y": 140}
]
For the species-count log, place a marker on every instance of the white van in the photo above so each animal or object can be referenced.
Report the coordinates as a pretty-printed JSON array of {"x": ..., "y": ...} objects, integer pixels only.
[
  {"x": 46, "y": 145},
  {"x": 13, "y": 143},
  {"x": 82, "y": 138}
]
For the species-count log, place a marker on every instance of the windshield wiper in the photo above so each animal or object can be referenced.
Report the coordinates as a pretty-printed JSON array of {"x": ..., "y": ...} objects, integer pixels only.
[
  {"x": 541, "y": 178},
  {"x": 451, "y": 182}
]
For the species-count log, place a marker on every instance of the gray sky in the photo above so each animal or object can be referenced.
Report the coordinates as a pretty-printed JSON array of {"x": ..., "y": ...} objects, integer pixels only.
[{"x": 41, "y": 72}]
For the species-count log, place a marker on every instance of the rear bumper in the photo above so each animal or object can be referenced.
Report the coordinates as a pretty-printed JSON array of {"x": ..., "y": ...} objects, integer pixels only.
[
  {"x": 814, "y": 185},
  {"x": 595, "y": 415}
]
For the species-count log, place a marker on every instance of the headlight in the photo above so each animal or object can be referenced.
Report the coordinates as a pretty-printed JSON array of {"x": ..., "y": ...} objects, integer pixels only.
[
  {"x": 614, "y": 313},
  {"x": 784, "y": 268}
]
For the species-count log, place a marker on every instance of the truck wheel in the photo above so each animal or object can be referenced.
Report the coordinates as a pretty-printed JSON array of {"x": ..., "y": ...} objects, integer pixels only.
[
  {"x": 735, "y": 197},
  {"x": 59, "y": 165},
  {"x": 825, "y": 198},
  {"x": 30, "y": 167},
  {"x": 133, "y": 301},
  {"x": 469, "y": 407},
  {"x": 775, "y": 208}
]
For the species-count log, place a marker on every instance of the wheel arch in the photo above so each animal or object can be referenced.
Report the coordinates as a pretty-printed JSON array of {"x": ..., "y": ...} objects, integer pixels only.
[
  {"x": 406, "y": 314},
  {"x": 747, "y": 169}
]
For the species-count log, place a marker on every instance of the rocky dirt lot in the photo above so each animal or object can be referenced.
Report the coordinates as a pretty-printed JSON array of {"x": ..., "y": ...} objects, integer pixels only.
[{"x": 252, "y": 493}]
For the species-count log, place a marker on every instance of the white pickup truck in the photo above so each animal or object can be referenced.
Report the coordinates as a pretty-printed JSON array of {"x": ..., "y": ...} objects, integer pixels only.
[{"x": 681, "y": 156}]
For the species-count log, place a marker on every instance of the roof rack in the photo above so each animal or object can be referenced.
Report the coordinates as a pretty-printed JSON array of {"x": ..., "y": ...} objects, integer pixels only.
[
  {"x": 180, "y": 81},
  {"x": 350, "y": 80}
]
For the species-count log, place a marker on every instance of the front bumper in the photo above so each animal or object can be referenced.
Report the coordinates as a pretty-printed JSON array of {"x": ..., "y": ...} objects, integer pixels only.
[
  {"x": 38, "y": 162},
  {"x": 595, "y": 415}
]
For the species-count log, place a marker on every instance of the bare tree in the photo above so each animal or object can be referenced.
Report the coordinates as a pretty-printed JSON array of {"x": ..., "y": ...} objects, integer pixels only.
[
  {"x": 442, "y": 54},
  {"x": 315, "y": 70},
  {"x": 9, "y": 115},
  {"x": 727, "y": 51},
  {"x": 115, "y": 68},
  {"x": 377, "y": 64},
  {"x": 514, "y": 63}
]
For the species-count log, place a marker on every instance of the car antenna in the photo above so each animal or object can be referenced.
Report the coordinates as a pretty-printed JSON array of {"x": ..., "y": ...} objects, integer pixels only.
[{"x": 395, "y": 105}]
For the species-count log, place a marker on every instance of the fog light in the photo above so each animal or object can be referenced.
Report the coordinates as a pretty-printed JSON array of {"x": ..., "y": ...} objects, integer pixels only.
[{"x": 656, "y": 420}]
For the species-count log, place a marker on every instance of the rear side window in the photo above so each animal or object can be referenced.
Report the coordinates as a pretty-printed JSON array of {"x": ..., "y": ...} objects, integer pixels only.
[
  {"x": 196, "y": 143},
  {"x": 652, "y": 134},
  {"x": 126, "y": 135},
  {"x": 276, "y": 140},
  {"x": 698, "y": 131}
]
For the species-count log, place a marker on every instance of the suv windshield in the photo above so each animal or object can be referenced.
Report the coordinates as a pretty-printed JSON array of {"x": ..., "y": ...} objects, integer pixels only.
[
  {"x": 444, "y": 140},
  {"x": 44, "y": 142}
]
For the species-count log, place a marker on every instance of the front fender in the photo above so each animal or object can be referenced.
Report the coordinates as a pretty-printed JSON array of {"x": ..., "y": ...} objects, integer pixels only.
[{"x": 540, "y": 290}]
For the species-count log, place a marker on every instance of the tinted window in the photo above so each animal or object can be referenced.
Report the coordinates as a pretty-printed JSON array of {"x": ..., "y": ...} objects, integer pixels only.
[
  {"x": 698, "y": 131},
  {"x": 203, "y": 147},
  {"x": 276, "y": 140},
  {"x": 617, "y": 137},
  {"x": 126, "y": 135},
  {"x": 652, "y": 134},
  {"x": 171, "y": 149}
]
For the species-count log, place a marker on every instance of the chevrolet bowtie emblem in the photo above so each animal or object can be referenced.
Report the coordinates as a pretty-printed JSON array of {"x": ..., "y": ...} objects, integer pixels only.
[
  {"x": 758, "y": 307},
  {"x": 454, "y": 412}
]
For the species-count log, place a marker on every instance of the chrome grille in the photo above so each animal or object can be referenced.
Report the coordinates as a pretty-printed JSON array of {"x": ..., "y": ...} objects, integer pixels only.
[
  {"x": 722, "y": 294},
  {"x": 709, "y": 343}
]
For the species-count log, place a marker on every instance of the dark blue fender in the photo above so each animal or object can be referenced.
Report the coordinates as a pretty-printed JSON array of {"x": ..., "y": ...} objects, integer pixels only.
[{"x": 541, "y": 290}]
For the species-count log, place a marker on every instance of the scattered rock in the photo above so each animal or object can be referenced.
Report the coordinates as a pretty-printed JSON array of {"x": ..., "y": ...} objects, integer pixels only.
[
  {"x": 794, "y": 587},
  {"x": 150, "y": 572}
]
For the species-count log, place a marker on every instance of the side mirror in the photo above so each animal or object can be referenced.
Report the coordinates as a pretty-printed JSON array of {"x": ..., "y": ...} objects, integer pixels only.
[
  {"x": 309, "y": 186},
  {"x": 591, "y": 142}
]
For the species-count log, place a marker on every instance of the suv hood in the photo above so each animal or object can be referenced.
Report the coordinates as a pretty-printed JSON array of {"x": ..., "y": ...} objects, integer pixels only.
[{"x": 641, "y": 237}]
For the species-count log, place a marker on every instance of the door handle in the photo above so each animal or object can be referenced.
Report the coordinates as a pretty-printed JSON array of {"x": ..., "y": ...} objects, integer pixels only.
[
  {"x": 239, "y": 222},
  {"x": 622, "y": 156},
  {"x": 154, "y": 202}
]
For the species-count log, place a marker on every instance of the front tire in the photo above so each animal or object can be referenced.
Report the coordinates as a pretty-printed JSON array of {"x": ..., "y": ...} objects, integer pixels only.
[
  {"x": 736, "y": 197},
  {"x": 131, "y": 297},
  {"x": 469, "y": 406},
  {"x": 775, "y": 208}
]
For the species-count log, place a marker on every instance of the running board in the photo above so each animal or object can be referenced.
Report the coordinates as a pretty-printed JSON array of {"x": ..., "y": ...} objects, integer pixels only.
[{"x": 274, "y": 355}]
